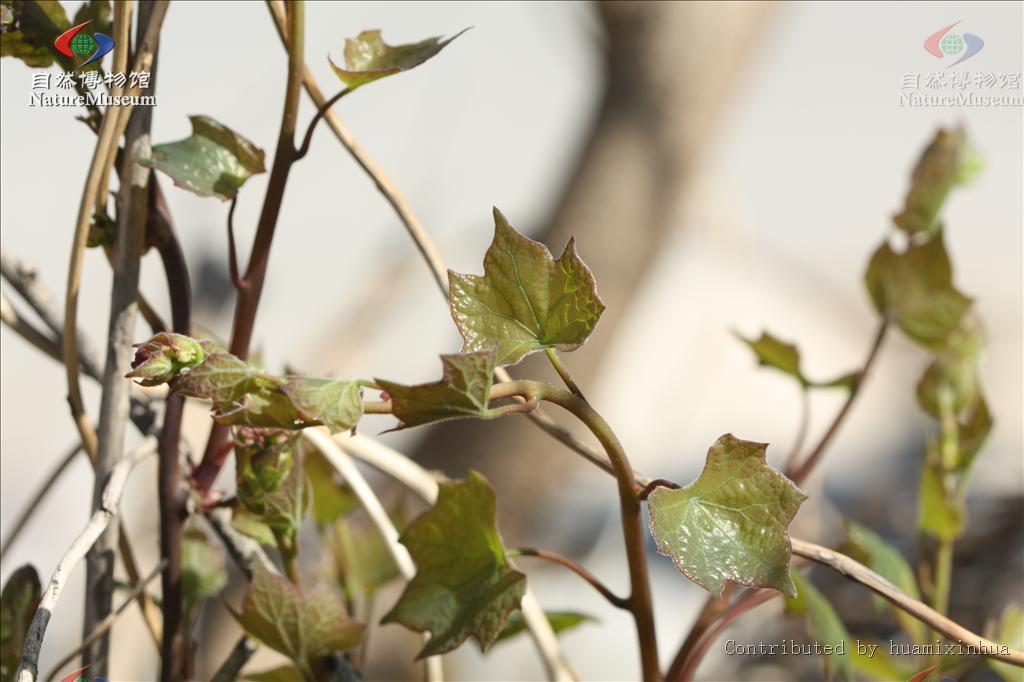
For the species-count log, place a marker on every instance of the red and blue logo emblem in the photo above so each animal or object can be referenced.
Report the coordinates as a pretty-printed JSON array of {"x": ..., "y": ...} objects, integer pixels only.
[{"x": 92, "y": 46}]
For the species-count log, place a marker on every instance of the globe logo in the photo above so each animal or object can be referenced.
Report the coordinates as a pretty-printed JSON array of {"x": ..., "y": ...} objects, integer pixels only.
[
  {"x": 73, "y": 43},
  {"x": 83, "y": 45},
  {"x": 943, "y": 44},
  {"x": 951, "y": 44}
]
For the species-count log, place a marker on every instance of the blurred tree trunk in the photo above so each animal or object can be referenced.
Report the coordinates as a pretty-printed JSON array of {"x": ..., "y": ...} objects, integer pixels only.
[{"x": 672, "y": 72}]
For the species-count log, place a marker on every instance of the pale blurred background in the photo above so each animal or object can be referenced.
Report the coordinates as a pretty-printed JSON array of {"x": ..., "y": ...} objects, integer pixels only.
[{"x": 753, "y": 153}]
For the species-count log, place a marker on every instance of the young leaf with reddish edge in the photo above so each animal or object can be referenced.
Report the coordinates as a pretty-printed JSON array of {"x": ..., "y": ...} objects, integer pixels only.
[
  {"x": 948, "y": 160},
  {"x": 369, "y": 58},
  {"x": 302, "y": 626},
  {"x": 870, "y": 549},
  {"x": 732, "y": 523},
  {"x": 824, "y": 627},
  {"x": 213, "y": 161},
  {"x": 915, "y": 289},
  {"x": 464, "y": 585},
  {"x": 526, "y": 300},
  {"x": 18, "y": 603},
  {"x": 463, "y": 391}
]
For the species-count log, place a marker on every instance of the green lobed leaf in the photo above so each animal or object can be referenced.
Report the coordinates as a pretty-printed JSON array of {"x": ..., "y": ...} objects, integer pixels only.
[
  {"x": 525, "y": 301},
  {"x": 331, "y": 499},
  {"x": 732, "y": 523},
  {"x": 561, "y": 621},
  {"x": 463, "y": 391},
  {"x": 948, "y": 160},
  {"x": 18, "y": 602},
  {"x": 213, "y": 161},
  {"x": 302, "y": 626},
  {"x": 464, "y": 585},
  {"x": 1008, "y": 631},
  {"x": 915, "y": 288},
  {"x": 220, "y": 377},
  {"x": 335, "y": 403},
  {"x": 30, "y": 31},
  {"x": 941, "y": 512},
  {"x": 772, "y": 352},
  {"x": 870, "y": 549},
  {"x": 202, "y": 568},
  {"x": 823, "y": 626},
  {"x": 369, "y": 58}
]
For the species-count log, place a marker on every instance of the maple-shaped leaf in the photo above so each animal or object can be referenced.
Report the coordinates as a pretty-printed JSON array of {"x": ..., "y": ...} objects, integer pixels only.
[
  {"x": 948, "y": 160},
  {"x": 824, "y": 627},
  {"x": 732, "y": 523},
  {"x": 302, "y": 626},
  {"x": 335, "y": 403},
  {"x": 369, "y": 58},
  {"x": 18, "y": 603},
  {"x": 464, "y": 585},
  {"x": 870, "y": 549},
  {"x": 915, "y": 289},
  {"x": 213, "y": 161},
  {"x": 221, "y": 378},
  {"x": 463, "y": 391},
  {"x": 526, "y": 300}
]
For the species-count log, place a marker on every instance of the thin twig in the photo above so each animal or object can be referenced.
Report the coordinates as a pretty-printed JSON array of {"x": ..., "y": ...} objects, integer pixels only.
[
  {"x": 37, "y": 498},
  {"x": 308, "y": 138},
  {"x": 236, "y": 279},
  {"x": 801, "y": 472},
  {"x": 425, "y": 484},
  {"x": 29, "y": 668},
  {"x": 860, "y": 573},
  {"x": 241, "y": 652},
  {"x": 801, "y": 433},
  {"x": 25, "y": 280},
  {"x": 107, "y": 622},
  {"x": 590, "y": 578},
  {"x": 427, "y": 248},
  {"x": 745, "y": 603},
  {"x": 23, "y": 328},
  {"x": 344, "y": 465}
]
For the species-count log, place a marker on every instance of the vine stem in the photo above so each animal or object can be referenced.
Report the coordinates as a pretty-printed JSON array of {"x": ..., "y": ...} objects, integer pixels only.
[
  {"x": 860, "y": 573},
  {"x": 425, "y": 484},
  {"x": 566, "y": 562},
  {"x": 640, "y": 601},
  {"x": 801, "y": 472},
  {"x": 563, "y": 373},
  {"x": 745, "y": 603},
  {"x": 255, "y": 275}
]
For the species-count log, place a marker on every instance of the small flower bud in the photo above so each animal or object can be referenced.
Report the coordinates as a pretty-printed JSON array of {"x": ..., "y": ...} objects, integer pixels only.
[{"x": 163, "y": 357}]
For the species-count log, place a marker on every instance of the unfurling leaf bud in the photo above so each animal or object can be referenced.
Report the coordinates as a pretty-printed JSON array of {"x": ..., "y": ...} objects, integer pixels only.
[{"x": 163, "y": 357}]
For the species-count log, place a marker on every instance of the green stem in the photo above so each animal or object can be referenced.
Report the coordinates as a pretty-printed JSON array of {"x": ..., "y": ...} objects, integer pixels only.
[
  {"x": 639, "y": 601},
  {"x": 289, "y": 550},
  {"x": 563, "y": 372}
]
